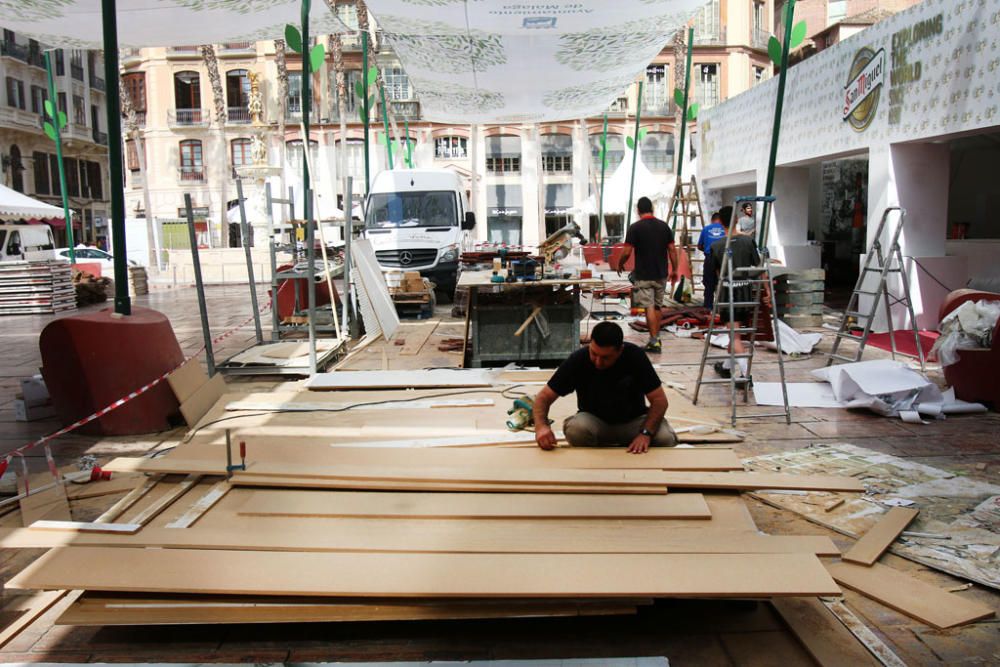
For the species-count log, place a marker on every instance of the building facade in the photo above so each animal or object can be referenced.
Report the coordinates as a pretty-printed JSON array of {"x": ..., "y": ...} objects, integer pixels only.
[{"x": 28, "y": 156}]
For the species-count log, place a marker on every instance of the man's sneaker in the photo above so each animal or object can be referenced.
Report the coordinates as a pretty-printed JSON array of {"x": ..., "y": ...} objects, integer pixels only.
[
  {"x": 654, "y": 347},
  {"x": 721, "y": 370}
]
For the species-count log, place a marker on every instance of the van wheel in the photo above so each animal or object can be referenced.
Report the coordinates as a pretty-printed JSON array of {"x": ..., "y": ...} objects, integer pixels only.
[{"x": 444, "y": 295}]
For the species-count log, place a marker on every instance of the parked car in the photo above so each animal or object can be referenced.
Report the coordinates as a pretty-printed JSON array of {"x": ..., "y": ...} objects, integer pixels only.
[{"x": 86, "y": 254}]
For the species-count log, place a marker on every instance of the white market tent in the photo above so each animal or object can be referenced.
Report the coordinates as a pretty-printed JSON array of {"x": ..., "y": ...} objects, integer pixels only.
[
  {"x": 616, "y": 189},
  {"x": 16, "y": 206}
]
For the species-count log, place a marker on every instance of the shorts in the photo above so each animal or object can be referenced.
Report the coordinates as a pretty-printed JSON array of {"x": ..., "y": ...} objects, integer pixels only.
[{"x": 647, "y": 293}]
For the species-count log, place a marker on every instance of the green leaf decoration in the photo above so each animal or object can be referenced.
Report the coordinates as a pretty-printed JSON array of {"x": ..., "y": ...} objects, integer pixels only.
[
  {"x": 293, "y": 38},
  {"x": 372, "y": 75},
  {"x": 316, "y": 56},
  {"x": 798, "y": 34},
  {"x": 630, "y": 143},
  {"x": 774, "y": 50},
  {"x": 62, "y": 119},
  {"x": 371, "y": 101},
  {"x": 48, "y": 109},
  {"x": 359, "y": 89},
  {"x": 605, "y": 162},
  {"x": 604, "y": 142},
  {"x": 679, "y": 97},
  {"x": 50, "y": 131},
  {"x": 362, "y": 115},
  {"x": 380, "y": 138},
  {"x": 693, "y": 112},
  {"x": 643, "y": 132}
]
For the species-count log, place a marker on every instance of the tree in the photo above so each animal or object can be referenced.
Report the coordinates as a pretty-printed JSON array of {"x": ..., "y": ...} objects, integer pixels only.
[
  {"x": 219, "y": 103},
  {"x": 132, "y": 132}
]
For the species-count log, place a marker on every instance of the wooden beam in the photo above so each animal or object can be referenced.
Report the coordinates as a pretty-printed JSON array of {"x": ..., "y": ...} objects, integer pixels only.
[
  {"x": 125, "y": 503},
  {"x": 907, "y": 595},
  {"x": 822, "y": 634},
  {"x": 438, "y": 377},
  {"x": 749, "y": 481},
  {"x": 202, "y": 505},
  {"x": 168, "y": 499},
  {"x": 869, "y": 548},
  {"x": 426, "y": 575},
  {"x": 333, "y": 504},
  {"x": 86, "y": 526},
  {"x": 239, "y": 479}
]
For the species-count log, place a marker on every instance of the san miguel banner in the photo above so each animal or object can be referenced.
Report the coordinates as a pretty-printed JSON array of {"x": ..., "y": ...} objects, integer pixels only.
[{"x": 864, "y": 87}]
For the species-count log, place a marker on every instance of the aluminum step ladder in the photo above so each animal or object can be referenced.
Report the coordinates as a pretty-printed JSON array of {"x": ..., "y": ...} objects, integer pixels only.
[
  {"x": 727, "y": 292},
  {"x": 881, "y": 265}
]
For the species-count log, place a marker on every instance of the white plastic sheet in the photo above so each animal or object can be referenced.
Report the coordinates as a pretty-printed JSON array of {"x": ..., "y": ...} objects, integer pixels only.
[
  {"x": 968, "y": 327},
  {"x": 514, "y": 62}
]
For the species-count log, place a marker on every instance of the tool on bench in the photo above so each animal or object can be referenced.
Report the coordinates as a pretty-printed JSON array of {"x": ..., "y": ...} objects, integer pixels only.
[{"x": 230, "y": 466}]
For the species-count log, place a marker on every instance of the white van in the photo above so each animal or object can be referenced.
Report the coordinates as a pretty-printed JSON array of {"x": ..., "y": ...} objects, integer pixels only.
[
  {"x": 21, "y": 242},
  {"x": 419, "y": 220}
]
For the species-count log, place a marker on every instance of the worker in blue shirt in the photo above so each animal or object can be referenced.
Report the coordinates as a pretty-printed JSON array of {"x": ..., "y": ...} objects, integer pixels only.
[{"x": 711, "y": 233}]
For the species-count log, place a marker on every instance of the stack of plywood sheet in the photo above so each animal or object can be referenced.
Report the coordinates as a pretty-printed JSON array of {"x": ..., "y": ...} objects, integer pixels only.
[
  {"x": 313, "y": 532},
  {"x": 36, "y": 287}
]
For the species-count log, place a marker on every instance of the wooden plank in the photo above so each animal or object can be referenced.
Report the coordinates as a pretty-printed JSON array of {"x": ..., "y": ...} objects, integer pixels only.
[
  {"x": 202, "y": 505},
  {"x": 187, "y": 380},
  {"x": 37, "y": 604},
  {"x": 426, "y": 575},
  {"x": 373, "y": 281},
  {"x": 95, "y": 609},
  {"x": 749, "y": 481},
  {"x": 202, "y": 400},
  {"x": 566, "y": 458},
  {"x": 907, "y": 595},
  {"x": 86, "y": 526},
  {"x": 473, "y": 506},
  {"x": 438, "y": 377},
  {"x": 312, "y": 535},
  {"x": 822, "y": 634},
  {"x": 305, "y": 406},
  {"x": 869, "y": 548},
  {"x": 864, "y": 634},
  {"x": 168, "y": 499},
  {"x": 483, "y": 475},
  {"x": 95, "y": 489},
  {"x": 47, "y": 503},
  {"x": 415, "y": 339},
  {"x": 239, "y": 479},
  {"x": 125, "y": 503}
]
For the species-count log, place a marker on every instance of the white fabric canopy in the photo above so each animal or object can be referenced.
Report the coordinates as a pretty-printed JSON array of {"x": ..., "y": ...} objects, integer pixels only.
[
  {"x": 143, "y": 23},
  {"x": 15, "y": 206},
  {"x": 493, "y": 61},
  {"x": 616, "y": 188}
]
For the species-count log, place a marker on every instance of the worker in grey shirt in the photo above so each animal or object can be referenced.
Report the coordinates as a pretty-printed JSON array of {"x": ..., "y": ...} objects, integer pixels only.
[{"x": 746, "y": 224}]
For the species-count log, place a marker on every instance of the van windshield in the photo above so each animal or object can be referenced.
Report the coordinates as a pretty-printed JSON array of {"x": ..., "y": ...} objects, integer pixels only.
[{"x": 412, "y": 209}]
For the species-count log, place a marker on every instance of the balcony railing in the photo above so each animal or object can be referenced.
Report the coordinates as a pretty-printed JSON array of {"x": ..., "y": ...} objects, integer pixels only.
[
  {"x": 97, "y": 83},
  {"x": 239, "y": 47},
  {"x": 184, "y": 51},
  {"x": 405, "y": 109},
  {"x": 710, "y": 35},
  {"x": 619, "y": 106},
  {"x": 35, "y": 57},
  {"x": 188, "y": 117},
  {"x": 759, "y": 38},
  {"x": 76, "y": 71},
  {"x": 293, "y": 107},
  {"x": 191, "y": 174},
  {"x": 665, "y": 107},
  {"x": 238, "y": 115},
  {"x": 100, "y": 138},
  {"x": 14, "y": 50}
]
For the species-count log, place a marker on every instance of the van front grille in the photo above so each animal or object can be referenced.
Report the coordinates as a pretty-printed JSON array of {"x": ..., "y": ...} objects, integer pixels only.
[{"x": 406, "y": 258}]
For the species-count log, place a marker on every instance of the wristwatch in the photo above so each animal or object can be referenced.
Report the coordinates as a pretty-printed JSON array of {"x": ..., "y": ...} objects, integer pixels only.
[{"x": 646, "y": 432}]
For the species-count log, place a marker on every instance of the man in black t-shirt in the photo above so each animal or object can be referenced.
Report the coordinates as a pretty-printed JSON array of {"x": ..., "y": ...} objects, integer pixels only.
[
  {"x": 612, "y": 380},
  {"x": 653, "y": 243}
]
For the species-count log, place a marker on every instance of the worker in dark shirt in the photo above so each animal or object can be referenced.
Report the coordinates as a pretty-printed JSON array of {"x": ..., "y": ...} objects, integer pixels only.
[
  {"x": 612, "y": 380},
  {"x": 743, "y": 249},
  {"x": 653, "y": 243}
]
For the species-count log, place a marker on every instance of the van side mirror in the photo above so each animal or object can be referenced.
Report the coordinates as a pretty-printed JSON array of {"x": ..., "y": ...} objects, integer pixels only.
[{"x": 470, "y": 221}]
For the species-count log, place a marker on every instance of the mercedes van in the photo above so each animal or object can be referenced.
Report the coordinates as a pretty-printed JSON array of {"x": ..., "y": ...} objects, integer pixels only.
[{"x": 21, "y": 242}]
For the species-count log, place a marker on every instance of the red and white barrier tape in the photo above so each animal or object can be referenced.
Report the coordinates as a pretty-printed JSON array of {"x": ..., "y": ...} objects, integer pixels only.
[{"x": 108, "y": 408}]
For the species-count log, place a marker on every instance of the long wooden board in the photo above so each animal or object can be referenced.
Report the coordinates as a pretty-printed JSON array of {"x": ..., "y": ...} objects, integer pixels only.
[
  {"x": 749, "y": 481},
  {"x": 202, "y": 400},
  {"x": 187, "y": 379},
  {"x": 36, "y": 604},
  {"x": 869, "y": 548},
  {"x": 437, "y": 536},
  {"x": 606, "y": 458},
  {"x": 907, "y": 595},
  {"x": 95, "y": 609},
  {"x": 266, "y": 481},
  {"x": 822, "y": 634},
  {"x": 438, "y": 377},
  {"x": 427, "y": 575},
  {"x": 482, "y": 474},
  {"x": 332, "y": 504}
]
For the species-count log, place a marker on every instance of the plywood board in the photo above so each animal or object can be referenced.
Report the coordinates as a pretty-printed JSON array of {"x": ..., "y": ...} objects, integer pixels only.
[
  {"x": 202, "y": 505},
  {"x": 202, "y": 400},
  {"x": 37, "y": 605},
  {"x": 437, "y": 536},
  {"x": 907, "y": 595},
  {"x": 869, "y": 548},
  {"x": 87, "y": 527},
  {"x": 187, "y": 379},
  {"x": 426, "y": 575},
  {"x": 373, "y": 282},
  {"x": 480, "y": 474},
  {"x": 822, "y": 634},
  {"x": 122, "y": 483},
  {"x": 94, "y": 609},
  {"x": 50, "y": 503},
  {"x": 256, "y": 405},
  {"x": 168, "y": 499},
  {"x": 125, "y": 503},
  {"x": 276, "y": 502},
  {"x": 417, "y": 336},
  {"x": 418, "y": 485},
  {"x": 595, "y": 458},
  {"x": 438, "y": 377},
  {"x": 749, "y": 481}
]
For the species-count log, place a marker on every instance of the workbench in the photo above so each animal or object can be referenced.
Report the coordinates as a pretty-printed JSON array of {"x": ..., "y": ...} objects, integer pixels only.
[{"x": 498, "y": 317}]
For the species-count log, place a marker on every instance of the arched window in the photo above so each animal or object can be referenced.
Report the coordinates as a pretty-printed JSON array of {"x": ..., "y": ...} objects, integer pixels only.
[
  {"x": 239, "y": 152},
  {"x": 658, "y": 151},
  {"x": 293, "y": 155},
  {"x": 238, "y": 95},
  {"x": 503, "y": 154},
  {"x": 187, "y": 90},
  {"x": 192, "y": 168}
]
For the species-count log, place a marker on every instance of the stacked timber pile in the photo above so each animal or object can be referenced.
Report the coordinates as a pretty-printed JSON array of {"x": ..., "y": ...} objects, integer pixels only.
[
  {"x": 138, "y": 281},
  {"x": 799, "y": 296},
  {"x": 35, "y": 287},
  {"x": 90, "y": 288}
]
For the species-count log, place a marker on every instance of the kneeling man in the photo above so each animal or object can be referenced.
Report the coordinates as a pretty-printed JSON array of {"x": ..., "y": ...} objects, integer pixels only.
[{"x": 612, "y": 380}]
